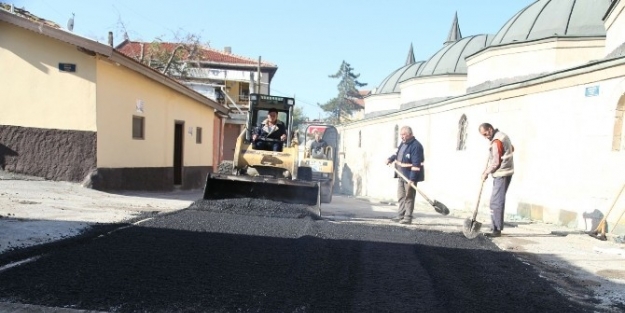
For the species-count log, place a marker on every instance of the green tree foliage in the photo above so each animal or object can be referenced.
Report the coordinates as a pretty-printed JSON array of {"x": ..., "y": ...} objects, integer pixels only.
[
  {"x": 341, "y": 107},
  {"x": 298, "y": 116}
]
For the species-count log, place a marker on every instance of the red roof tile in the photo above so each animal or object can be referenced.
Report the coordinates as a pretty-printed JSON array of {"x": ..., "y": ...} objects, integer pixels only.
[
  {"x": 207, "y": 54},
  {"x": 363, "y": 93}
]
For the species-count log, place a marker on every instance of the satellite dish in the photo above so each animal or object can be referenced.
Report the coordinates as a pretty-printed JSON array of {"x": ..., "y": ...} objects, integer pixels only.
[{"x": 70, "y": 23}]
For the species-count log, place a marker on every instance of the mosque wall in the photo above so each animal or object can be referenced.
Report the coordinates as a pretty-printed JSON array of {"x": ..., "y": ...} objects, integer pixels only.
[
  {"x": 562, "y": 127},
  {"x": 388, "y": 101},
  {"x": 427, "y": 87},
  {"x": 535, "y": 57},
  {"x": 614, "y": 25}
]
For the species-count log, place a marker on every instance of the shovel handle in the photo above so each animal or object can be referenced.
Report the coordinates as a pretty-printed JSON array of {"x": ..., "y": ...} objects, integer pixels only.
[
  {"x": 477, "y": 203},
  {"x": 479, "y": 194},
  {"x": 411, "y": 184},
  {"x": 601, "y": 225}
]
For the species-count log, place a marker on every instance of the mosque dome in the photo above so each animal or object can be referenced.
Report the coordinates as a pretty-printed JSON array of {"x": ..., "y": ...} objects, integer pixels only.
[
  {"x": 391, "y": 83},
  {"x": 450, "y": 59},
  {"x": 548, "y": 18}
]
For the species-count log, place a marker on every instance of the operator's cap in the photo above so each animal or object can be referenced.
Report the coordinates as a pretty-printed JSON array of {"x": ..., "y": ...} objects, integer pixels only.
[{"x": 273, "y": 110}]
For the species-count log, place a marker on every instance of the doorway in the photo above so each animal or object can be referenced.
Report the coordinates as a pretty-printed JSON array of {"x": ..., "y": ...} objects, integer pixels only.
[{"x": 178, "y": 139}]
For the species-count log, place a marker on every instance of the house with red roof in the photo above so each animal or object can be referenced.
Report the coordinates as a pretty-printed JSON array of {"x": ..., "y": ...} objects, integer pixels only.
[
  {"x": 74, "y": 109},
  {"x": 220, "y": 75}
]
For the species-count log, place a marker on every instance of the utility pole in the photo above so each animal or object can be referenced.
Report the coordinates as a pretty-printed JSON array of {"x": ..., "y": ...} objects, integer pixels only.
[{"x": 258, "y": 75}]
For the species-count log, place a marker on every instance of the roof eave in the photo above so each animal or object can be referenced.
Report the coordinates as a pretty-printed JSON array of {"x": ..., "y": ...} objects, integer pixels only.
[
  {"x": 57, "y": 34},
  {"x": 107, "y": 52}
]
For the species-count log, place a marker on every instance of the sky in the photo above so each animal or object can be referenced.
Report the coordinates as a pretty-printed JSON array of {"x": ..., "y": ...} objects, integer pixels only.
[{"x": 307, "y": 40}]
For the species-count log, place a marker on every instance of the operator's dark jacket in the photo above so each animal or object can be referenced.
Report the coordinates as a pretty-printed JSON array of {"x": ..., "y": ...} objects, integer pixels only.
[
  {"x": 410, "y": 163},
  {"x": 279, "y": 130}
]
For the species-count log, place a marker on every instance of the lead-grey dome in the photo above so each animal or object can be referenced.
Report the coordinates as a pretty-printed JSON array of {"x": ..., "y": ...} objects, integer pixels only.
[
  {"x": 391, "y": 83},
  {"x": 451, "y": 58},
  {"x": 547, "y": 18}
]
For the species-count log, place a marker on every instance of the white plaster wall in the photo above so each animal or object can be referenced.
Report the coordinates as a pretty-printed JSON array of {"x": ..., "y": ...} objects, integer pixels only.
[
  {"x": 375, "y": 103},
  {"x": 427, "y": 87},
  {"x": 615, "y": 28},
  {"x": 531, "y": 58},
  {"x": 564, "y": 161}
]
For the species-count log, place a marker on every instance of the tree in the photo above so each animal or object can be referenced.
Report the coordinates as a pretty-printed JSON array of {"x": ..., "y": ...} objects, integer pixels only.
[
  {"x": 298, "y": 116},
  {"x": 171, "y": 58},
  {"x": 342, "y": 106},
  {"x": 174, "y": 59}
]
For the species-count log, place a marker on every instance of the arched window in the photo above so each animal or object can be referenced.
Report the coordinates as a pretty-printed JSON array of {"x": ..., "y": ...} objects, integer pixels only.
[
  {"x": 359, "y": 138},
  {"x": 462, "y": 133},
  {"x": 395, "y": 141},
  {"x": 617, "y": 138}
]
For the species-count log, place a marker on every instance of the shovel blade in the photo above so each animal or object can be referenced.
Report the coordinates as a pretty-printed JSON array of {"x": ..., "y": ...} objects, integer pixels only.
[
  {"x": 440, "y": 208},
  {"x": 471, "y": 228},
  {"x": 601, "y": 237}
]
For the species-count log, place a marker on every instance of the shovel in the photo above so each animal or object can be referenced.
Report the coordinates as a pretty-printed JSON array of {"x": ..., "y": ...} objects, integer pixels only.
[
  {"x": 599, "y": 233},
  {"x": 472, "y": 227},
  {"x": 438, "y": 206}
]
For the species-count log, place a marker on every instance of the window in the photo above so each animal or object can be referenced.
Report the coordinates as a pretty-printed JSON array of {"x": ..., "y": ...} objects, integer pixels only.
[
  {"x": 395, "y": 141},
  {"x": 244, "y": 91},
  {"x": 617, "y": 138},
  {"x": 138, "y": 127},
  {"x": 263, "y": 114},
  {"x": 198, "y": 135},
  {"x": 359, "y": 138},
  {"x": 462, "y": 133}
]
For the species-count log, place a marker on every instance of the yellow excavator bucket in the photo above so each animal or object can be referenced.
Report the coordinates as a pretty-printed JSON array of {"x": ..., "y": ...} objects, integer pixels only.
[{"x": 219, "y": 186}]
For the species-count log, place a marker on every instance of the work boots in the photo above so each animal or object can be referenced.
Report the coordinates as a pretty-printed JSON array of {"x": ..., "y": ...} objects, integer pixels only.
[{"x": 495, "y": 233}]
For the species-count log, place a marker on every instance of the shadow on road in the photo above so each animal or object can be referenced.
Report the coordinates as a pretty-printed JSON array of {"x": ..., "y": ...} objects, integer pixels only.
[{"x": 207, "y": 261}]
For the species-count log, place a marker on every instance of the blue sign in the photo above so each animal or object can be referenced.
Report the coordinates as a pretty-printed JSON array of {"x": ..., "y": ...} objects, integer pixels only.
[{"x": 592, "y": 91}]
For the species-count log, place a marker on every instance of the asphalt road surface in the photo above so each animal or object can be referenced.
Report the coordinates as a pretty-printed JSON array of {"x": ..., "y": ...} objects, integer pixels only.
[{"x": 260, "y": 256}]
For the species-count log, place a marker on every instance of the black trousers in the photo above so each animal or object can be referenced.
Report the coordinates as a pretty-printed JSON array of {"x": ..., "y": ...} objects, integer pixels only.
[
  {"x": 267, "y": 145},
  {"x": 406, "y": 196}
]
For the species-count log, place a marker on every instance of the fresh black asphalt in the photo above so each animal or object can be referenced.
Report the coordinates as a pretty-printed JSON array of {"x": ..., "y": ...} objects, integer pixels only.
[{"x": 245, "y": 255}]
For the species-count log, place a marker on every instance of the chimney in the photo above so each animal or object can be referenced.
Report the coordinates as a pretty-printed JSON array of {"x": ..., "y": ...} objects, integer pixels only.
[
  {"x": 111, "y": 39},
  {"x": 228, "y": 50}
]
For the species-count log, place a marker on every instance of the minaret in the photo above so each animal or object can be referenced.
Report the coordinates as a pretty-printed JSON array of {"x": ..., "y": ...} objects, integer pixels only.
[
  {"x": 410, "y": 59},
  {"x": 454, "y": 32}
]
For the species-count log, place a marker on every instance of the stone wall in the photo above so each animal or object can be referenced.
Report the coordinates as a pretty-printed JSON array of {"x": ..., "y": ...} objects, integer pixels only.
[{"x": 53, "y": 154}]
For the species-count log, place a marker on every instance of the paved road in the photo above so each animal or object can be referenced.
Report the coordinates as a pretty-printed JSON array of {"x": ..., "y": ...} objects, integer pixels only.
[
  {"x": 355, "y": 236},
  {"x": 241, "y": 257}
]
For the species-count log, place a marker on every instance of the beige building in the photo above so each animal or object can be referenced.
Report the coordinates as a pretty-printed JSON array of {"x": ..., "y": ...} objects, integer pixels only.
[
  {"x": 552, "y": 78},
  {"x": 77, "y": 110},
  {"x": 222, "y": 76}
]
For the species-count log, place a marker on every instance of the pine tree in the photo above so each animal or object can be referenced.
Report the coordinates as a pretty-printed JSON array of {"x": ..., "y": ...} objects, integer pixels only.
[{"x": 341, "y": 107}]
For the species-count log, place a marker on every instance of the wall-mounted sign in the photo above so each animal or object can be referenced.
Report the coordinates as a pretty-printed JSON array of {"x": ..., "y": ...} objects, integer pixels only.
[
  {"x": 190, "y": 130},
  {"x": 592, "y": 91},
  {"x": 139, "y": 106},
  {"x": 67, "y": 67}
]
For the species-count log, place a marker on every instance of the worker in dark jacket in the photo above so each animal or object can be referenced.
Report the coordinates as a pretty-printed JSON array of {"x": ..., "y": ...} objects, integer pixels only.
[
  {"x": 272, "y": 129},
  {"x": 317, "y": 147},
  {"x": 408, "y": 160}
]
